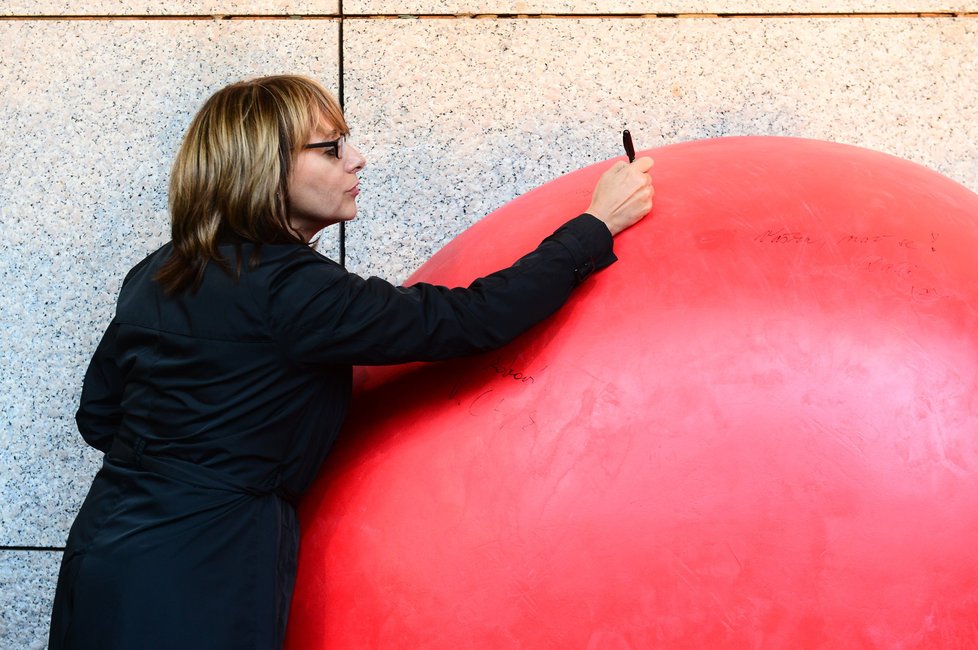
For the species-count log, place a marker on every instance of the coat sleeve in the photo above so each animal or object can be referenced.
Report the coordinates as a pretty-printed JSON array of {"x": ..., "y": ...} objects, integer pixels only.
[
  {"x": 324, "y": 315},
  {"x": 100, "y": 410}
]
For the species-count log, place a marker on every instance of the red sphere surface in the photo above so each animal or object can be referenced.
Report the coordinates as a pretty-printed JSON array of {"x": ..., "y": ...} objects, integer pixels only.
[{"x": 757, "y": 429}]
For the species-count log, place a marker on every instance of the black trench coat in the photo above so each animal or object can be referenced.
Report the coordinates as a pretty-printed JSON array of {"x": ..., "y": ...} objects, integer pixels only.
[{"x": 215, "y": 410}]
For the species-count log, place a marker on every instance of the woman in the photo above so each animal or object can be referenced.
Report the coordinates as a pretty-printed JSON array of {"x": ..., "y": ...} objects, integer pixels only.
[{"x": 222, "y": 381}]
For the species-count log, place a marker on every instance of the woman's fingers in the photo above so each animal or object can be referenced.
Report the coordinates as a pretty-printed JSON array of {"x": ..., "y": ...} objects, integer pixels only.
[{"x": 623, "y": 194}]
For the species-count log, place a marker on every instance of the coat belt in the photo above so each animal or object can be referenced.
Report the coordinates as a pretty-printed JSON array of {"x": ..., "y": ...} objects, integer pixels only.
[{"x": 134, "y": 453}]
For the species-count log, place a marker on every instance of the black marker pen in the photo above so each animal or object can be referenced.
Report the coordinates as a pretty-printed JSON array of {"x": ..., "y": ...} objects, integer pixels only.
[{"x": 626, "y": 139}]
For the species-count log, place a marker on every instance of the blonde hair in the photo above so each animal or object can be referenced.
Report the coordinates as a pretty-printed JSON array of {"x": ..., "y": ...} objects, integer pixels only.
[{"x": 229, "y": 180}]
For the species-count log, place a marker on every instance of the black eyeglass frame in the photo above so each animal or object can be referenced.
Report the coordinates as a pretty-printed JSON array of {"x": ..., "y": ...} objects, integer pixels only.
[{"x": 336, "y": 145}]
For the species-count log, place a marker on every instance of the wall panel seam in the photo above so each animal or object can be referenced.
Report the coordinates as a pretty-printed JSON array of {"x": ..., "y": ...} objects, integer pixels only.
[{"x": 342, "y": 16}]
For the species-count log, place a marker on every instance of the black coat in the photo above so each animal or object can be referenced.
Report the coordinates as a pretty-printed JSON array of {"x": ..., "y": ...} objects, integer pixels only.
[{"x": 216, "y": 408}]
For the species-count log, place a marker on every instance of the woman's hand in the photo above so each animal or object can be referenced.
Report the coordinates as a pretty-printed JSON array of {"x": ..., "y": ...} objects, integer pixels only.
[{"x": 623, "y": 195}]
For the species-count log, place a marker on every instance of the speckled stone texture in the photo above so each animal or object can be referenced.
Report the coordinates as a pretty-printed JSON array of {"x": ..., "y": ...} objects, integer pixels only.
[
  {"x": 26, "y": 594},
  {"x": 395, "y": 7},
  {"x": 168, "y": 7},
  {"x": 477, "y": 112}
]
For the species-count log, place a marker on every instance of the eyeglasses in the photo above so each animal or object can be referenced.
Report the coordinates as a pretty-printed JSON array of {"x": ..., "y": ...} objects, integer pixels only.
[{"x": 333, "y": 147}]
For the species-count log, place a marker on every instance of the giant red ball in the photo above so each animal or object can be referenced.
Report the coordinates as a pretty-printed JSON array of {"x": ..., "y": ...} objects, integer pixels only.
[{"x": 757, "y": 429}]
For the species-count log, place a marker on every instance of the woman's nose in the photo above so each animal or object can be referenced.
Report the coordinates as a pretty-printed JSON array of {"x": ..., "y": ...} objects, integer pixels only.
[{"x": 355, "y": 159}]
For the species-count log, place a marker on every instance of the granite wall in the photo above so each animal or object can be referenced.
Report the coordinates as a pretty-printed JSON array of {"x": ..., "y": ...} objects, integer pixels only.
[{"x": 459, "y": 106}]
